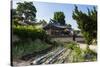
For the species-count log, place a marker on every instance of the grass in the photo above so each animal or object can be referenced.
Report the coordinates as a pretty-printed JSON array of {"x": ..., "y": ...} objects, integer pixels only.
[
  {"x": 40, "y": 41},
  {"x": 23, "y": 48},
  {"x": 79, "y": 55},
  {"x": 90, "y": 55},
  {"x": 31, "y": 40}
]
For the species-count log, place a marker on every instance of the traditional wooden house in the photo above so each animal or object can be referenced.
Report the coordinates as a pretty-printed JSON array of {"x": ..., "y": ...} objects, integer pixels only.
[{"x": 54, "y": 28}]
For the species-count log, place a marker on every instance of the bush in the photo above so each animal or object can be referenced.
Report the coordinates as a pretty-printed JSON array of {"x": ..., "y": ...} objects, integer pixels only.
[
  {"x": 72, "y": 45},
  {"x": 78, "y": 55},
  {"x": 25, "y": 32},
  {"x": 31, "y": 40},
  {"x": 89, "y": 55},
  {"x": 76, "y": 52}
]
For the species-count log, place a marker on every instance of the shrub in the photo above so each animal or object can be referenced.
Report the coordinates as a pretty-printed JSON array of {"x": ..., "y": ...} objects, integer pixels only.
[
  {"x": 25, "y": 32},
  {"x": 78, "y": 55},
  {"x": 71, "y": 45},
  {"x": 76, "y": 52},
  {"x": 90, "y": 55}
]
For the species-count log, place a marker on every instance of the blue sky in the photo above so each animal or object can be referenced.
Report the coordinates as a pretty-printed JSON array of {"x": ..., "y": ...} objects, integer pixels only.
[{"x": 46, "y": 10}]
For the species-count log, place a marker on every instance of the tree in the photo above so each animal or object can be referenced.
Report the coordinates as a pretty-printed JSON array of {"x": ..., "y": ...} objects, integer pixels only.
[
  {"x": 26, "y": 10},
  {"x": 59, "y": 17},
  {"x": 69, "y": 25},
  {"x": 13, "y": 12},
  {"x": 14, "y": 17},
  {"x": 87, "y": 23},
  {"x": 43, "y": 22}
]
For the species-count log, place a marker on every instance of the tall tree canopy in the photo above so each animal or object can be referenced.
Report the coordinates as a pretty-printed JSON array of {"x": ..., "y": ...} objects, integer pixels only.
[
  {"x": 59, "y": 17},
  {"x": 26, "y": 10},
  {"x": 87, "y": 23}
]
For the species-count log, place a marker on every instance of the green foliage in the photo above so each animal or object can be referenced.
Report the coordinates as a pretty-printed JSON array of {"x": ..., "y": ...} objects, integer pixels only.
[
  {"x": 87, "y": 23},
  {"x": 27, "y": 47},
  {"x": 79, "y": 55},
  {"x": 88, "y": 37},
  {"x": 90, "y": 55},
  {"x": 76, "y": 53},
  {"x": 72, "y": 45},
  {"x": 28, "y": 9},
  {"x": 29, "y": 31},
  {"x": 59, "y": 17},
  {"x": 15, "y": 17},
  {"x": 15, "y": 22}
]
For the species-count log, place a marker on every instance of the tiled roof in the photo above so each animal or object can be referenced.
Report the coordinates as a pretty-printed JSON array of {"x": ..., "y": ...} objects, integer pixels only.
[{"x": 55, "y": 24}]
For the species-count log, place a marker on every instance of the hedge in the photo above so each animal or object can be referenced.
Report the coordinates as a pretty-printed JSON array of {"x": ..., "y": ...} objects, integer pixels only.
[{"x": 29, "y": 31}]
